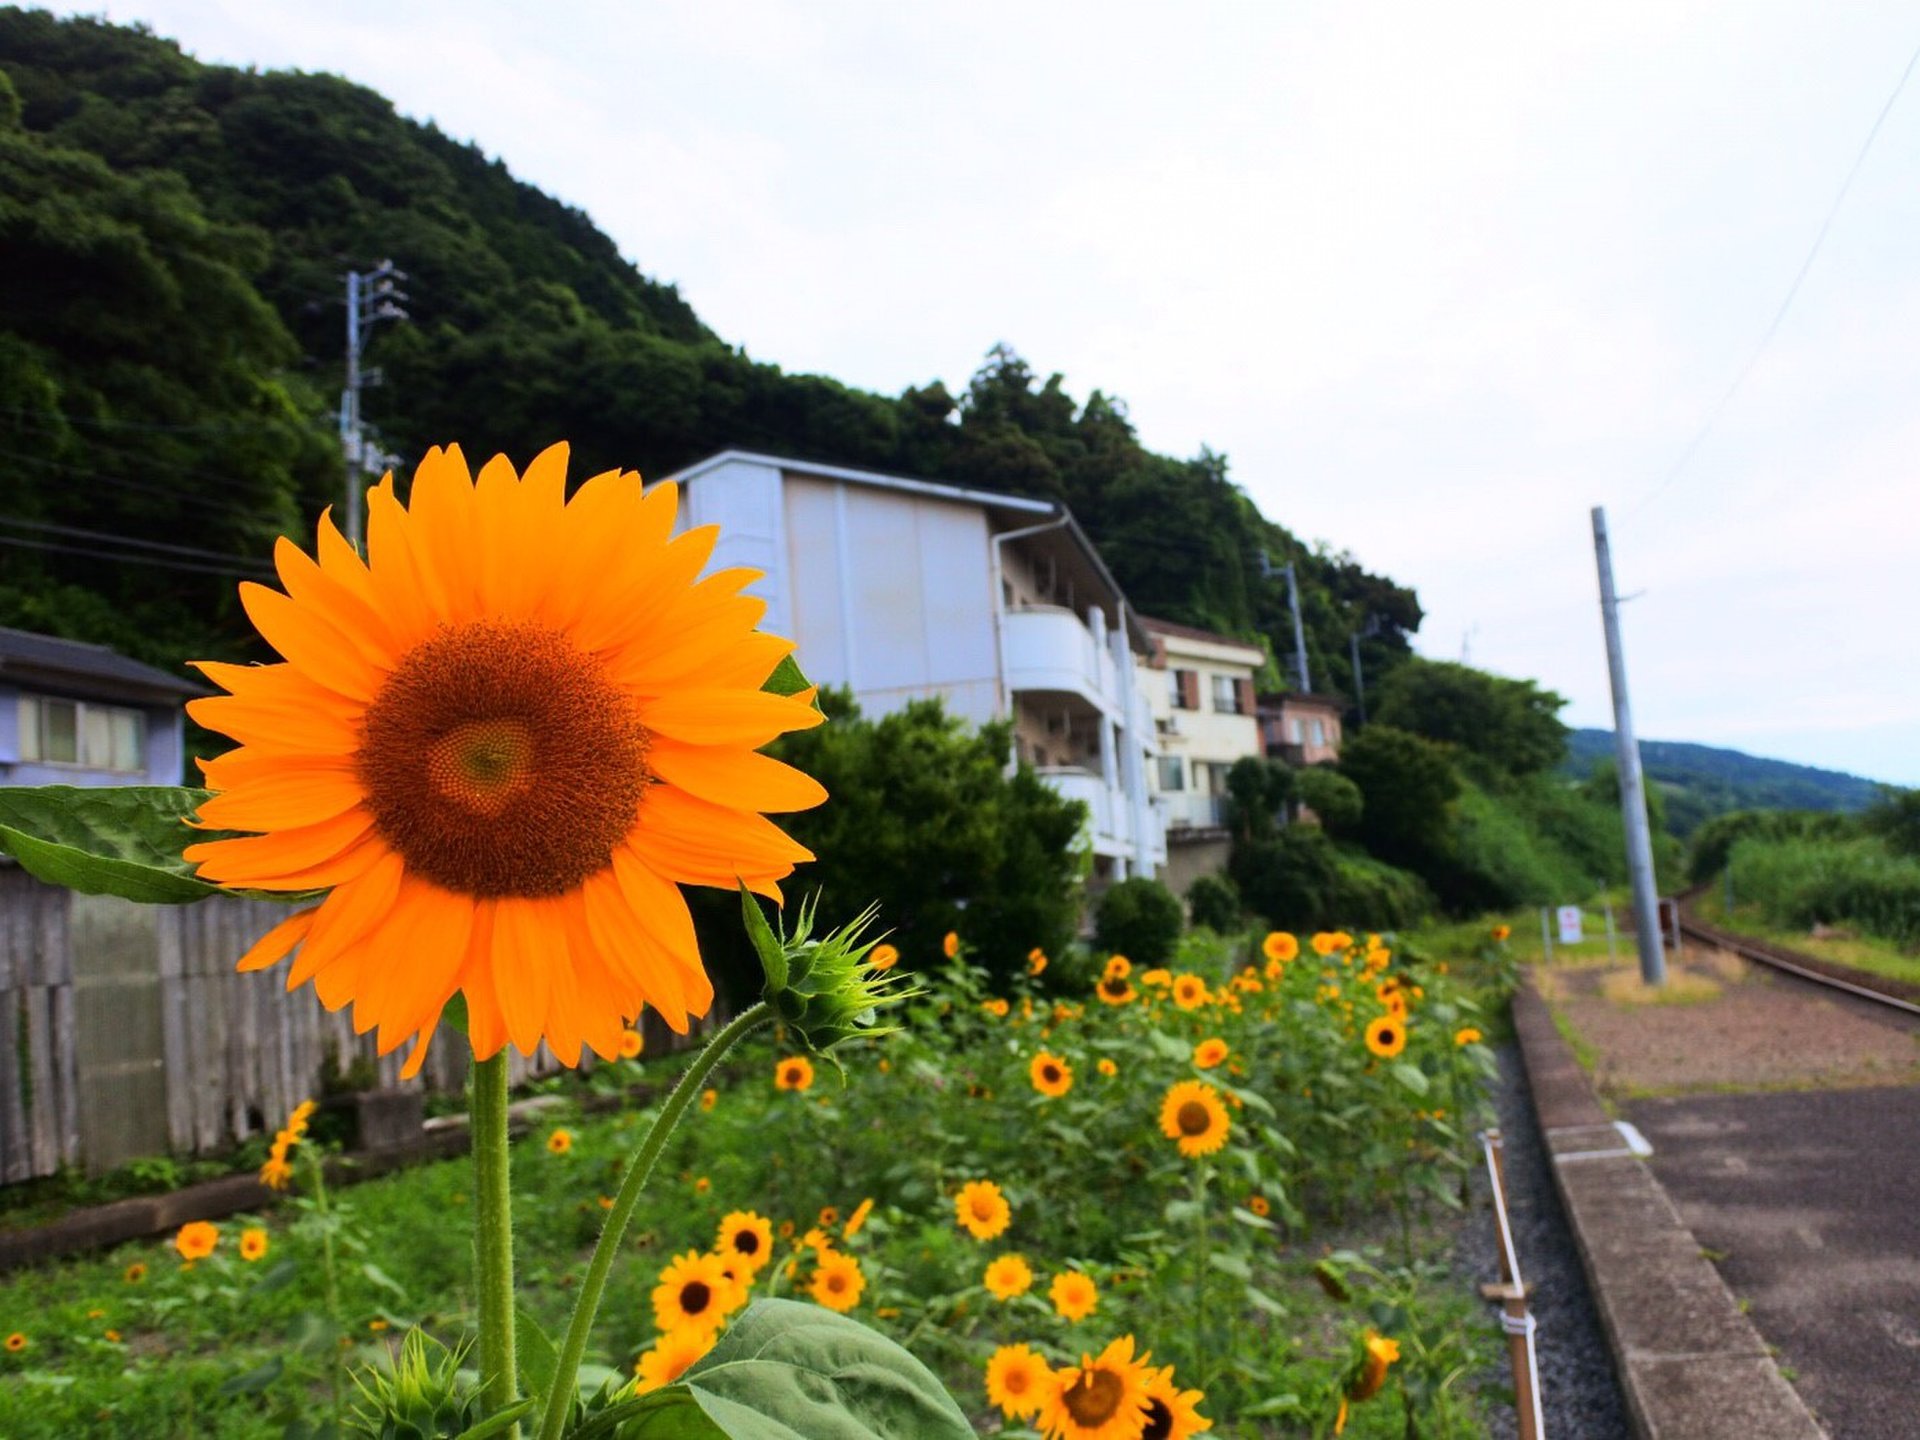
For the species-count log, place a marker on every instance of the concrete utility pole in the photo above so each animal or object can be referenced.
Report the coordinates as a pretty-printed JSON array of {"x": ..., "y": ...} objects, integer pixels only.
[
  {"x": 1299, "y": 633},
  {"x": 1633, "y": 795},
  {"x": 371, "y": 298},
  {"x": 1359, "y": 681}
]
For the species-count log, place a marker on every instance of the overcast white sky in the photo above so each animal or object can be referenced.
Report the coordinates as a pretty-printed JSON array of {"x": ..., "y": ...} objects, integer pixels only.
[{"x": 1437, "y": 279}]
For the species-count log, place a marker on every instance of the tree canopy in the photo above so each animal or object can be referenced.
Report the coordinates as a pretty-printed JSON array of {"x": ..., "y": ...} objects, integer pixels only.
[{"x": 176, "y": 234}]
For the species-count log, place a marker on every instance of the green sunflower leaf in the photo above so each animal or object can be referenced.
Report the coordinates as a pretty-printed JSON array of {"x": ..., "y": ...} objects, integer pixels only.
[
  {"x": 120, "y": 840},
  {"x": 1410, "y": 1076},
  {"x": 786, "y": 1371},
  {"x": 787, "y": 678},
  {"x": 107, "y": 840}
]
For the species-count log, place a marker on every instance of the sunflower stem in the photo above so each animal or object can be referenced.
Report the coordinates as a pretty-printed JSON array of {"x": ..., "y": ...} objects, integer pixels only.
[
  {"x": 574, "y": 1347},
  {"x": 1201, "y": 1262},
  {"x": 493, "y": 1236}
]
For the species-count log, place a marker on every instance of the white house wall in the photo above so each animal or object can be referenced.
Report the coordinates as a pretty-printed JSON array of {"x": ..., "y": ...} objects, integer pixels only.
[
  {"x": 743, "y": 499},
  {"x": 891, "y": 595}
]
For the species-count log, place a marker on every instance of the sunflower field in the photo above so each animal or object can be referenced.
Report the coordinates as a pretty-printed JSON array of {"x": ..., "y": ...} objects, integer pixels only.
[{"x": 1198, "y": 1199}]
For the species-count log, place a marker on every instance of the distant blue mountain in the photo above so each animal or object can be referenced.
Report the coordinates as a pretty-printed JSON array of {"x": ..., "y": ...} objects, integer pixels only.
[{"x": 1698, "y": 782}]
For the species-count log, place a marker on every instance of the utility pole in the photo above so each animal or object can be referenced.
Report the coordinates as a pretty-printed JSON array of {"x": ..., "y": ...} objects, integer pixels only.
[
  {"x": 371, "y": 297},
  {"x": 1299, "y": 632},
  {"x": 1359, "y": 681},
  {"x": 1633, "y": 795}
]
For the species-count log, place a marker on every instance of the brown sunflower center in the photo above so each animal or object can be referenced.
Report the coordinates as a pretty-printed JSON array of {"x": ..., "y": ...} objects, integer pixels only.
[
  {"x": 1192, "y": 1118},
  {"x": 1050, "y": 1074},
  {"x": 1114, "y": 985},
  {"x": 747, "y": 1243},
  {"x": 695, "y": 1296},
  {"x": 1094, "y": 1398},
  {"x": 499, "y": 760},
  {"x": 982, "y": 1207},
  {"x": 1017, "y": 1380},
  {"x": 836, "y": 1283},
  {"x": 1159, "y": 1421}
]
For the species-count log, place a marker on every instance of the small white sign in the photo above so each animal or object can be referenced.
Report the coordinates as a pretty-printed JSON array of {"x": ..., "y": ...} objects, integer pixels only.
[{"x": 1569, "y": 916}]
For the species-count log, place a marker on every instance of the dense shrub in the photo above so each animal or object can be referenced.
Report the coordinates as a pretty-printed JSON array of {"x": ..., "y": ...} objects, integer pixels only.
[
  {"x": 1298, "y": 879},
  {"x": 1214, "y": 902},
  {"x": 1332, "y": 797},
  {"x": 1811, "y": 881},
  {"x": 1408, "y": 786},
  {"x": 926, "y": 821},
  {"x": 1138, "y": 918},
  {"x": 1713, "y": 842},
  {"x": 1895, "y": 818}
]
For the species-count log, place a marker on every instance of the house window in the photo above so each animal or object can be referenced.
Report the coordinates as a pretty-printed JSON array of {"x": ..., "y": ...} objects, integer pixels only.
[
  {"x": 1186, "y": 689},
  {"x": 1172, "y": 773},
  {"x": 75, "y": 732},
  {"x": 1226, "y": 695},
  {"x": 1319, "y": 733},
  {"x": 1296, "y": 729}
]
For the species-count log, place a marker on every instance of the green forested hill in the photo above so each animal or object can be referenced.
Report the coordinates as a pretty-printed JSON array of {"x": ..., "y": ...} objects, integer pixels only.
[
  {"x": 1698, "y": 782},
  {"x": 170, "y": 332}
]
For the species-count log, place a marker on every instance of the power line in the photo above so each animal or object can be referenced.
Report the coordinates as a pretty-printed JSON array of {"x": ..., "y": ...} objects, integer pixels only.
[
  {"x": 1773, "y": 328},
  {"x": 133, "y": 541},
  {"x": 21, "y": 543},
  {"x": 225, "y": 508},
  {"x": 208, "y": 428}
]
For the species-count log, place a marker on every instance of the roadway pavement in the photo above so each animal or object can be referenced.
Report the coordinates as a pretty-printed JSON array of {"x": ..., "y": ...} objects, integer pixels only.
[{"x": 1808, "y": 1202}]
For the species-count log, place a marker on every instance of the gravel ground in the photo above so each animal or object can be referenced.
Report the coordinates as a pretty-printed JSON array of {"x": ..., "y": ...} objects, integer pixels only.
[{"x": 1578, "y": 1390}]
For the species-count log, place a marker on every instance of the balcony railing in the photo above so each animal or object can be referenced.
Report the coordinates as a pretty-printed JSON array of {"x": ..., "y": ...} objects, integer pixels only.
[
  {"x": 1186, "y": 809},
  {"x": 1049, "y": 648},
  {"x": 1109, "y": 813}
]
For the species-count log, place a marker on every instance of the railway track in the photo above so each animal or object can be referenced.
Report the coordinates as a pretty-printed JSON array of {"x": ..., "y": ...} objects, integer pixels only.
[{"x": 1877, "y": 988}]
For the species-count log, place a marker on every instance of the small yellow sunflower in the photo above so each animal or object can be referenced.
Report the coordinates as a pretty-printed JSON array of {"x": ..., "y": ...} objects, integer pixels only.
[
  {"x": 951, "y": 945},
  {"x": 1036, "y": 961},
  {"x": 1192, "y": 1114},
  {"x": 1209, "y": 1053},
  {"x": 709, "y": 1098},
  {"x": 829, "y": 1217},
  {"x": 253, "y": 1244},
  {"x": 694, "y": 1290},
  {"x": 1008, "y": 1276},
  {"x": 1387, "y": 1036},
  {"x": 996, "y": 1007},
  {"x": 632, "y": 1042},
  {"x": 560, "y": 1142},
  {"x": 1074, "y": 1295},
  {"x": 746, "y": 1237},
  {"x": 1259, "y": 1205},
  {"x": 276, "y": 1173},
  {"x": 983, "y": 1211},
  {"x": 1325, "y": 943},
  {"x": 1501, "y": 932},
  {"x": 1280, "y": 946},
  {"x": 1159, "y": 977},
  {"x": 196, "y": 1239},
  {"x": 837, "y": 1281},
  {"x": 793, "y": 1073},
  {"x": 1172, "y": 1413},
  {"x": 1115, "y": 990},
  {"x": 134, "y": 1273},
  {"x": 1017, "y": 1380},
  {"x": 1466, "y": 1035},
  {"x": 1189, "y": 992},
  {"x": 1103, "y": 1399},
  {"x": 672, "y": 1355},
  {"x": 1119, "y": 967},
  {"x": 883, "y": 956},
  {"x": 1051, "y": 1075},
  {"x": 1107, "y": 1068}
]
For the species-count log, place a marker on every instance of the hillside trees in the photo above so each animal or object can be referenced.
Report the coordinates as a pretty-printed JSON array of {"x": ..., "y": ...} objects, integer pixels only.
[
  {"x": 1513, "y": 725},
  {"x": 528, "y": 325}
]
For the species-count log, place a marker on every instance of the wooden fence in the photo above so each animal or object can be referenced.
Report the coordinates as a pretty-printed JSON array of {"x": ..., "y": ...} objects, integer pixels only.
[{"x": 125, "y": 1031}]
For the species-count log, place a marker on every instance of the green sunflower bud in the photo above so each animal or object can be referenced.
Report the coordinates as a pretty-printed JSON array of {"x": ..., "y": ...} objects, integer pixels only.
[{"x": 826, "y": 990}]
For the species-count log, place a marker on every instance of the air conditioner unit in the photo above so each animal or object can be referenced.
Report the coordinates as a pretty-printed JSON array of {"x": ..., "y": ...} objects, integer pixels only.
[{"x": 1168, "y": 726}]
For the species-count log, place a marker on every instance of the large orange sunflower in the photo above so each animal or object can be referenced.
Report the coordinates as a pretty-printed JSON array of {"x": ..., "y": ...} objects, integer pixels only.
[{"x": 502, "y": 742}]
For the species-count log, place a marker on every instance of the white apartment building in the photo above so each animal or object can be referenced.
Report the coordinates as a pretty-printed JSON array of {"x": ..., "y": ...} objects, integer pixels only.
[
  {"x": 899, "y": 589},
  {"x": 1201, "y": 688}
]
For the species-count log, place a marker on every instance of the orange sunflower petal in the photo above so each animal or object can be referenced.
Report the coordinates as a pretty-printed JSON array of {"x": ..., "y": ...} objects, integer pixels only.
[
  {"x": 309, "y": 642},
  {"x": 744, "y": 780},
  {"x": 729, "y": 717},
  {"x": 286, "y": 801},
  {"x": 271, "y": 948}
]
